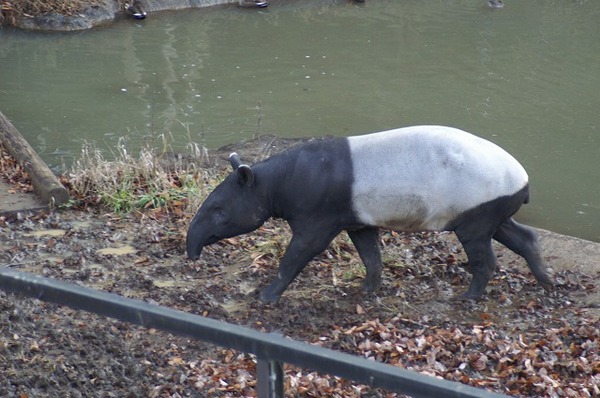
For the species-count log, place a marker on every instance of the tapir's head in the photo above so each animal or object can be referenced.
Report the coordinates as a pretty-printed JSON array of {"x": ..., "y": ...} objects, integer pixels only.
[{"x": 235, "y": 207}]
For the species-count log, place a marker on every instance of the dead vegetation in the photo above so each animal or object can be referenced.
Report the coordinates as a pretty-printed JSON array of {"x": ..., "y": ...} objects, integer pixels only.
[
  {"x": 518, "y": 341},
  {"x": 152, "y": 179},
  {"x": 13, "y": 173}
]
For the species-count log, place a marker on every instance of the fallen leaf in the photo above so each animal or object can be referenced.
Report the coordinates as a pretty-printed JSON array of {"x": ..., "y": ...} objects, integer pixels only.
[
  {"x": 175, "y": 361},
  {"x": 480, "y": 363},
  {"x": 141, "y": 260}
]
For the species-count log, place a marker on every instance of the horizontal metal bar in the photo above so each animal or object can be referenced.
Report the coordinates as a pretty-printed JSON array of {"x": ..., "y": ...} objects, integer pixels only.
[{"x": 270, "y": 346}]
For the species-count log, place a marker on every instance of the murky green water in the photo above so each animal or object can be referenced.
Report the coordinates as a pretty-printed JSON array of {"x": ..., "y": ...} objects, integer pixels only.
[{"x": 526, "y": 76}]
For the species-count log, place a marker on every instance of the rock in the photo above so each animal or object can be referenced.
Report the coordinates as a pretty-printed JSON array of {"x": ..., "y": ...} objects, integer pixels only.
[
  {"x": 104, "y": 11},
  {"x": 92, "y": 16}
]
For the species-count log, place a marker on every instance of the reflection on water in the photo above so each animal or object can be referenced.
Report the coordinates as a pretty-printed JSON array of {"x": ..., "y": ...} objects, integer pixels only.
[{"x": 526, "y": 76}]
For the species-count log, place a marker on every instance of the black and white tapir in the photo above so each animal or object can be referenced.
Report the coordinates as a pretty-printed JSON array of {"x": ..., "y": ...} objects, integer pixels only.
[{"x": 408, "y": 179}]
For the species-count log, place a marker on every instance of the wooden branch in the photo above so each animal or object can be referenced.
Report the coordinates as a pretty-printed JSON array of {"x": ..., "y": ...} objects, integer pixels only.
[{"x": 45, "y": 183}]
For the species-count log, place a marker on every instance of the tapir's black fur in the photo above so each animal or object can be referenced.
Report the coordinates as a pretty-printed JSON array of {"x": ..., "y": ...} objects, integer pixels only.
[
  {"x": 310, "y": 186},
  {"x": 313, "y": 183}
]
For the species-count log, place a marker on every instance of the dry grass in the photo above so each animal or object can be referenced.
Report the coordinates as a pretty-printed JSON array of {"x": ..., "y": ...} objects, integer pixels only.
[
  {"x": 150, "y": 180},
  {"x": 11, "y": 10}
]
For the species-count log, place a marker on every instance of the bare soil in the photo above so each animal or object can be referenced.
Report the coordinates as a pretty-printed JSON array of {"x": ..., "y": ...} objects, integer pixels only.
[{"x": 518, "y": 340}]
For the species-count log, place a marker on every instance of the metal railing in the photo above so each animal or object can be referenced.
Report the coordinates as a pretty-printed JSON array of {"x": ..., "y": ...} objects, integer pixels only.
[{"x": 272, "y": 350}]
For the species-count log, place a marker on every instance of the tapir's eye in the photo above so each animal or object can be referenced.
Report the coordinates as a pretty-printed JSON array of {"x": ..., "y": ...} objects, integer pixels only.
[{"x": 220, "y": 215}]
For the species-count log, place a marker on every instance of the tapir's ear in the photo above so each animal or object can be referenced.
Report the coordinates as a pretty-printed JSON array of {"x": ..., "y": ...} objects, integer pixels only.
[
  {"x": 245, "y": 174},
  {"x": 235, "y": 161}
]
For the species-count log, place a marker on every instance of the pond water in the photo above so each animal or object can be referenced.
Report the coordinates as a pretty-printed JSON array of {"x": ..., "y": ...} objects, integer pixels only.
[{"x": 526, "y": 76}]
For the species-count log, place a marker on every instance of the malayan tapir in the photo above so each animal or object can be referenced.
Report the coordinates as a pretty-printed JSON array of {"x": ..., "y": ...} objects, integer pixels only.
[{"x": 408, "y": 179}]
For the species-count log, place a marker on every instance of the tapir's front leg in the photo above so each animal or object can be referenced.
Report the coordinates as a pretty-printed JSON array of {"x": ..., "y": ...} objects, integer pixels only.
[
  {"x": 305, "y": 244},
  {"x": 366, "y": 242}
]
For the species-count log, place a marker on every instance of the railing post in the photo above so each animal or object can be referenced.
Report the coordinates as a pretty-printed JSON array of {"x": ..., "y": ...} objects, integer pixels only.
[{"x": 270, "y": 378}]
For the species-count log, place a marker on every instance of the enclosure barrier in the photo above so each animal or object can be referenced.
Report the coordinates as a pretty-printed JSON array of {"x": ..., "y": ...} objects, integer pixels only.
[{"x": 271, "y": 350}]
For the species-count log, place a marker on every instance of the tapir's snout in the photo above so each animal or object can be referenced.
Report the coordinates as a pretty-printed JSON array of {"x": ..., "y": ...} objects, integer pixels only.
[
  {"x": 195, "y": 242},
  {"x": 193, "y": 249},
  {"x": 194, "y": 254}
]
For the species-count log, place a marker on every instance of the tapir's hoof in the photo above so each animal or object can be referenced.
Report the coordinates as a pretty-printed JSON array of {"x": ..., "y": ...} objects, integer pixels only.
[
  {"x": 268, "y": 298},
  {"x": 467, "y": 296},
  {"x": 549, "y": 287},
  {"x": 371, "y": 287},
  {"x": 368, "y": 288},
  {"x": 547, "y": 279}
]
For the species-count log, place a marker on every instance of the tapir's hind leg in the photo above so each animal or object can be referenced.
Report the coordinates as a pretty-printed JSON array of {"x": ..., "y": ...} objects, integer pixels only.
[
  {"x": 366, "y": 242},
  {"x": 482, "y": 263},
  {"x": 523, "y": 241}
]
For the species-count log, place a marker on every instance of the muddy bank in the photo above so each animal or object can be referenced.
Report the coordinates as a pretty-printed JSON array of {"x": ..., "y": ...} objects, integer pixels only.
[
  {"x": 105, "y": 11},
  {"x": 518, "y": 340}
]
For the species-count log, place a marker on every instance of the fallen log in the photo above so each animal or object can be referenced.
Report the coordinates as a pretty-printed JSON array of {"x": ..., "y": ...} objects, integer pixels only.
[{"x": 45, "y": 183}]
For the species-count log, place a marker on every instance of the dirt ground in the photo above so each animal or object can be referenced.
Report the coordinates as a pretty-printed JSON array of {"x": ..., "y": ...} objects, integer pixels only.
[{"x": 518, "y": 340}]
